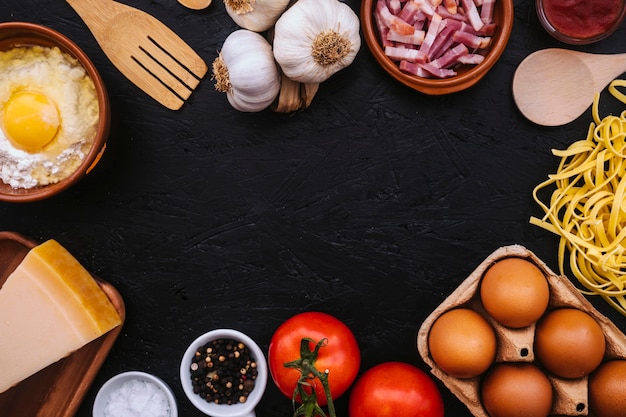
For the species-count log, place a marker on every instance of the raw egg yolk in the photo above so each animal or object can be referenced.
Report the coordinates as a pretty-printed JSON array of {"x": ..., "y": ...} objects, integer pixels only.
[{"x": 31, "y": 120}]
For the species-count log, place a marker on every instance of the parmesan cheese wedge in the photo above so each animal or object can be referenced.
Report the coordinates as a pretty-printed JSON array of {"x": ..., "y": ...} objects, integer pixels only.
[{"x": 50, "y": 306}]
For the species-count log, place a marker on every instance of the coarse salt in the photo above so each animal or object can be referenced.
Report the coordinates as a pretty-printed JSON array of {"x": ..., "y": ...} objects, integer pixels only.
[{"x": 137, "y": 398}]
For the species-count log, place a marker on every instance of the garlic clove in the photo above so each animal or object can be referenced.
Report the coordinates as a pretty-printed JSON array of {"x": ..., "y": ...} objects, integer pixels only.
[{"x": 294, "y": 95}]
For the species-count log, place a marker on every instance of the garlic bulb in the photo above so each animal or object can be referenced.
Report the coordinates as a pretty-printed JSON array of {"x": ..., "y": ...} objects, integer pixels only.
[
  {"x": 314, "y": 39},
  {"x": 255, "y": 15},
  {"x": 246, "y": 71}
]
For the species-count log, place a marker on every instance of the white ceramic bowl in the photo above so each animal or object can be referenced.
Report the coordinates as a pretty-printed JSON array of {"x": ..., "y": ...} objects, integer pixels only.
[
  {"x": 224, "y": 410},
  {"x": 113, "y": 384}
]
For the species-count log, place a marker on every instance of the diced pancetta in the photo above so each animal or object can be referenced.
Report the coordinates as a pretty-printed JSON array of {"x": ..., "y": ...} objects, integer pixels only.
[
  {"x": 415, "y": 39},
  {"x": 451, "y": 56},
  {"x": 472, "y": 14},
  {"x": 443, "y": 42},
  {"x": 431, "y": 34},
  {"x": 488, "y": 29},
  {"x": 409, "y": 11},
  {"x": 420, "y": 21},
  {"x": 431, "y": 38},
  {"x": 470, "y": 40},
  {"x": 413, "y": 69},
  {"x": 445, "y": 13},
  {"x": 383, "y": 30},
  {"x": 450, "y": 6},
  {"x": 472, "y": 59},
  {"x": 455, "y": 24},
  {"x": 396, "y": 53},
  {"x": 392, "y": 21},
  {"x": 394, "y": 6},
  {"x": 486, "y": 11},
  {"x": 438, "y": 72},
  {"x": 427, "y": 8}
]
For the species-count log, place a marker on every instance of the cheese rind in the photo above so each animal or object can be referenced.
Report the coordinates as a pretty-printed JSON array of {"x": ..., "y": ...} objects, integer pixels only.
[{"x": 50, "y": 306}]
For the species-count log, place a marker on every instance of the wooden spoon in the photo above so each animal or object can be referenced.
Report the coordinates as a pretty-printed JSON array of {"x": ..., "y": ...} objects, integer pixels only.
[
  {"x": 195, "y": 4},
  {"x": 552, "y": 87},
  {"x": 146, "y": 51}
]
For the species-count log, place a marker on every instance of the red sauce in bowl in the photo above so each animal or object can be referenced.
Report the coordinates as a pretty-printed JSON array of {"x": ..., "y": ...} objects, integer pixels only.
[{"x": 583, "y": 19}]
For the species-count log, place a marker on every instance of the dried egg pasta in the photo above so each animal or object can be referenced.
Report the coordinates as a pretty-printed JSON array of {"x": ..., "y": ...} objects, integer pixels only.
[{"x": 588, "y": 207}]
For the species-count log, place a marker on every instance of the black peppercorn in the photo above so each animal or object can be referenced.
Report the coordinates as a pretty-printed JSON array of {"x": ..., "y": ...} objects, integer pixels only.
[{"x": 223, "y": 371}]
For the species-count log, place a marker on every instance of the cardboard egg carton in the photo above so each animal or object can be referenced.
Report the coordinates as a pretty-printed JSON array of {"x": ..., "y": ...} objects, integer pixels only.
[{"x": 516, "y": 345}]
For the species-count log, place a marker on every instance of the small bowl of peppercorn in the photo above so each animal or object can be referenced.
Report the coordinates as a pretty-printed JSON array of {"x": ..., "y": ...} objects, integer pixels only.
[{"x": 224, "y": 373}]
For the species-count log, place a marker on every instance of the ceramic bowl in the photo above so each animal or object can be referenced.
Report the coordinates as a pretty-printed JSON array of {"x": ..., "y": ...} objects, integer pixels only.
[
  {"x": 467, "y": 75},
  {"x": 587, "y": 27},
  {"x": 135, "y": 392},
  {"x": 14, "y": 34},
  {"x": 245, "y": 409}
]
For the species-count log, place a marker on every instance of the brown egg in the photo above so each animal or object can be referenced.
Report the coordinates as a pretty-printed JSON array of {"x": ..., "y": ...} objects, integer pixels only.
[
  {"x": 569, "y": 343},
  {"x": 462, "y": 343},
  {"x": 515, "y": 292},
  {"x": 607, "y": 390},
  {"x": 516, "y": 389}
]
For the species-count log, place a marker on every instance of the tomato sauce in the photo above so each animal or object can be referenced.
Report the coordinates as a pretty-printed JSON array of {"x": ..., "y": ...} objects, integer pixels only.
[{"x": 582, "y": 19}]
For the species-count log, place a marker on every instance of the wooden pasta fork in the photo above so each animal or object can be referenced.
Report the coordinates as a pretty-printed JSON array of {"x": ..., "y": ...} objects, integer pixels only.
[{"x": 145, "y": 50}]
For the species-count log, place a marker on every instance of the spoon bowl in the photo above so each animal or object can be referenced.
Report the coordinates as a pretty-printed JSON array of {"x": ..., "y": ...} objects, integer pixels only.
[
  {"x": 554, "y": 86},
  {"x": 195, "y": 4}
]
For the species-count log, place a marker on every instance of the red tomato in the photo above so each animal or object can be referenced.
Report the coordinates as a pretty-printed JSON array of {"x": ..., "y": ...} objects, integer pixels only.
[
  {"x": 340, "y": 355},
  {"x": 395, "y": 389}
]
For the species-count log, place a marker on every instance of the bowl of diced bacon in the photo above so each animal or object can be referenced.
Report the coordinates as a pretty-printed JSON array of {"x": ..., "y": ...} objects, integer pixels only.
[{"x": 437, "y": 46}]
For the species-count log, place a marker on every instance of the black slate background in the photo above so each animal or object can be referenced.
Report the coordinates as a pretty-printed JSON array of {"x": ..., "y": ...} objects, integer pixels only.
[{"x": 371, "y": 205}]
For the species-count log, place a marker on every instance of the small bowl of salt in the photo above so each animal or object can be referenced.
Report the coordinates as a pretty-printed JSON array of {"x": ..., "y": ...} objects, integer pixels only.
[{"x": 135, "y": 394}]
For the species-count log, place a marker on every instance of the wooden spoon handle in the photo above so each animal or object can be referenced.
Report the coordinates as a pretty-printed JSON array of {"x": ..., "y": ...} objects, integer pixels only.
[
  {"x": 97, "y": 14},
  {"x": 604, "y": 67}
]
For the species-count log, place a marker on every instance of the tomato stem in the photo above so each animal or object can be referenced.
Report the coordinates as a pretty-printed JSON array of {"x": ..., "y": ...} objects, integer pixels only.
[{"x": 308, "y": 374}]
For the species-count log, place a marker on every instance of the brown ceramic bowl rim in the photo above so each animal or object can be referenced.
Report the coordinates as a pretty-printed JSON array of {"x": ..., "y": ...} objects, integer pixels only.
[
  {"x": 558, "y": 35},
  {"x": 24, "y": 33},
  {"x": 433, "y": 86}
]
